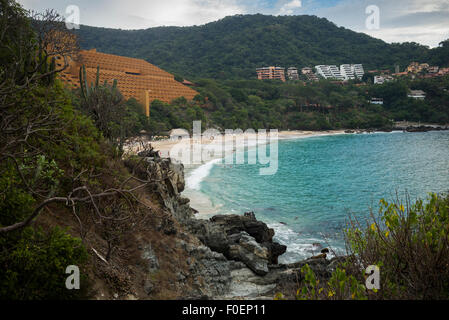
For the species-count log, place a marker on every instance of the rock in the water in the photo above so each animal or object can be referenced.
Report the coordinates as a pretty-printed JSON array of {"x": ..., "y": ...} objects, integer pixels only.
[
  {"x": 235, "y": 224},
  {"x": 224, "y": 234},
  {"x": 210, "y": 234},
  {"x": 250, "y": 214},
  {"x": 320, "y": 256},
  {"x": 274, "y": 251}
]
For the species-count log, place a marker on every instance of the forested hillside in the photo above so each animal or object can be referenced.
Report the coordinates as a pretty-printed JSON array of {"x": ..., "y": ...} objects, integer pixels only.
[
  {"x": 233, "y": 47},
  {"x": 318, "y": 106}
]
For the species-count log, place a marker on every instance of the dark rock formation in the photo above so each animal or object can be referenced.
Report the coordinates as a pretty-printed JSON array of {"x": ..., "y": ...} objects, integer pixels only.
[
  {"x": 251, "y": 253},
  {"x": 229, "y": 256},
  {"x": 211, "y": 270},
  {"x": 423, "y": 129},
  {"x": 240, "y": 238},
  {"x": 234, "y": 224}
]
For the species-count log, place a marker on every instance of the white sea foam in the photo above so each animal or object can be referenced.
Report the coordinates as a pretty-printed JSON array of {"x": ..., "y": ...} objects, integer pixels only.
[
  {"x": 199, "y": 174},
  {"x": 299, "y": 247}
]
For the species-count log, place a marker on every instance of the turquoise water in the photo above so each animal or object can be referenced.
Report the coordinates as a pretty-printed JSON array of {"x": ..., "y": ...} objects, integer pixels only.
[{"x": 322, "y": 179}]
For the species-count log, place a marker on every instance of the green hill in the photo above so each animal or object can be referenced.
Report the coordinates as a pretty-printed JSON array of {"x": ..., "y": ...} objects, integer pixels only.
[{"x": 234, "y": 46}]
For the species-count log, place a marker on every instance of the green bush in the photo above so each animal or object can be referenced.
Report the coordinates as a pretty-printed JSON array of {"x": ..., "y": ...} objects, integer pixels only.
[
  {"x": 410, "y": 245},
  {"x": 339, "y": 287},
  {"x": 35, "y": 265}
]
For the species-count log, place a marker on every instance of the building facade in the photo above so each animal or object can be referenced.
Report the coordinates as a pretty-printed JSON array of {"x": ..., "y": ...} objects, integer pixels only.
[
  {"x": 358, "y": 70},
  {"x": 136, "y": 78},
  {"x": 329, "y": 72},
  {"x": 345, "y": 72},
  {"x": 378, "y": 101},
  {"x": 292, "y": 73},
  {"x": 417, "y": 94},
  {"x": 352, "y": 71},
  {"x": 273, "y": 73},
  {"x": 306, "y": 70}
]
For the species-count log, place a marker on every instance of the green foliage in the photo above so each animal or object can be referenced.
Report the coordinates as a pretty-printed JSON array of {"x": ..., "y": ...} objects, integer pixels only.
[
  {"x": 440, "y": 55},
  {"x": 34, "y": 268},
  {"x": 339, "y": 287},
  {"x": 45, "y": 146},
  {"x": 34, "y": 262},
  {"x": 15, "y": 202},
  {"x": 116, "y": 118},
  {"x": 231, "y": 47},
  {"x": 315, "y": 106},
  {"x": 410, "y": 243}
]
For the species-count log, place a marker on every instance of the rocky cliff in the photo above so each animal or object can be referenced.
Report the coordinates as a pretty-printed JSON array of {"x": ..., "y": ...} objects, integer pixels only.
[{"x": 226, "y": 257}]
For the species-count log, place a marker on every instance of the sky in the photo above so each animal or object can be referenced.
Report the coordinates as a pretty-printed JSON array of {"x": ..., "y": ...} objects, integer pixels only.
[{"x": 421, "y": 21}]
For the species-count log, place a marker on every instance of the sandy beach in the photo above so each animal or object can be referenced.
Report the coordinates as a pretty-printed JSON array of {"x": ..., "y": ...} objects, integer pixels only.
[
  {"x": 216, "y": 148},
  {"x": 221, "y": 144}
]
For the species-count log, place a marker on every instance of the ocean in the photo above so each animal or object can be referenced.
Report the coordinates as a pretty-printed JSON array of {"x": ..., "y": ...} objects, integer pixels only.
[{"x": 321, "y": 181}]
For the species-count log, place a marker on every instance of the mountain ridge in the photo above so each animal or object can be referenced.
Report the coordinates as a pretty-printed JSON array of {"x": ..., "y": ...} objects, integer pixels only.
[{"x": 231, "y": 48}]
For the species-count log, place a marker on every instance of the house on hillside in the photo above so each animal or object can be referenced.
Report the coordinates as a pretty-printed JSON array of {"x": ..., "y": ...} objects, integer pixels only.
[
  {"x": 179, "y": 134},
  {"x": 379, "y": 101},
  {"x": 417, "y": 94},
  {"x": 275, "y": 73}
]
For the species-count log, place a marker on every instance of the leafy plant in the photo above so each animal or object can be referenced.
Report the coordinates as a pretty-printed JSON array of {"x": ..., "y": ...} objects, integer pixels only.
[{"x": 410, "y": 242}]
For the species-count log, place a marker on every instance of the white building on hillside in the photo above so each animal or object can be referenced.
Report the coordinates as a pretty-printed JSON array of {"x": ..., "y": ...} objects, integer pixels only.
[
  {"x": 352, "y": 71},
  {"x": 379, "y": 101},
  {"x": 379, "y": 80},
  {"x": 324, "y": 71},
  {"x": 336, "y": 72},
  {"x": 347, "y": 71},
  {"x": 329, "y": 72},
  {"x": 417, "y": 94},
  {"x": 358, "y": 70},
  {"x": 382, "y": 79}
]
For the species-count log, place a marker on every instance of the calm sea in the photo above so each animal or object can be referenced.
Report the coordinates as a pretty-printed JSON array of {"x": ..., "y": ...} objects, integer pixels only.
[{"x": 321, "y": 180}]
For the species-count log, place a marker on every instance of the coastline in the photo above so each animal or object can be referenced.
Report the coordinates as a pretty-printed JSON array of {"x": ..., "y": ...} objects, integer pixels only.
[
  {"x": 164, "y": 146},
  {"x": 195, "y": 173}
]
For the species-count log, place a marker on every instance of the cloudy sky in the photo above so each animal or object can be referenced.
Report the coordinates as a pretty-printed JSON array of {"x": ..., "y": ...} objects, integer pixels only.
[{"x": 422, "y": 21}]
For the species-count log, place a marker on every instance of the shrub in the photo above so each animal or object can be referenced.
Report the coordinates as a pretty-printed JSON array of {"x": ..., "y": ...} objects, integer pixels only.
[
  {"x": 35, "y": 265},
  {"x": 410, "y": 245},
  {"x": 340, "y": 286}
]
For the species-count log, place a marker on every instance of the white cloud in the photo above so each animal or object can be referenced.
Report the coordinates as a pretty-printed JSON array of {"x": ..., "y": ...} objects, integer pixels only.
[
  {"x": 290, "y": 7},
  {"x": 139, "y": 14},
  {"x": 422, "y": 21}
]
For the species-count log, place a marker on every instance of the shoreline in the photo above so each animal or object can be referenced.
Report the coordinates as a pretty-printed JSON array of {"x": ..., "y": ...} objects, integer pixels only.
[
  {"x": 199, "y": 171},
  {"x": 205, "y": 206},
  {"x": 199, "y": 201},
  {"x": 166, "y": 145}
]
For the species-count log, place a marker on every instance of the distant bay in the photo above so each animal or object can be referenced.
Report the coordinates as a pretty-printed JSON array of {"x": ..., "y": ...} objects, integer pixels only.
[{"x": 321, "y": 180}]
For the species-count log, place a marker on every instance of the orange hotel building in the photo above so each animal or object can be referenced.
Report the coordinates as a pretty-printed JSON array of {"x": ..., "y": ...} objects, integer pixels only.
[
  {"x": 136, "y": 78},
  {"x": 275, "y": 73}
]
